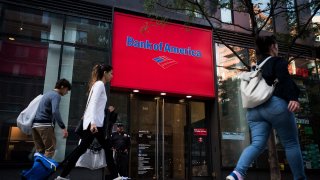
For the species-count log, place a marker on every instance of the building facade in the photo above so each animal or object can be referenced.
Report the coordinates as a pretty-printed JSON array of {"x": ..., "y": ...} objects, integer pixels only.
[{"x": 174, "y": 88}]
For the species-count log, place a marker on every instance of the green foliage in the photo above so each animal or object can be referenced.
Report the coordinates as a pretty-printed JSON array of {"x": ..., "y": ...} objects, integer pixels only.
[
  {"x": 262, "y": 15},
  {"x": 149, "y": 5}
]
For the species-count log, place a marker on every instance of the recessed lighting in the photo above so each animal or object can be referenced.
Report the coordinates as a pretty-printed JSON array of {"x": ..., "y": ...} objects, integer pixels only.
[
  {"x": 181, "y": 101},
  {"x": 11, "y": 39},
  {"x": 188, "y": 96},
  {"x": 135, "y": 90},
  {"x": 163, "y": 94},
  {"x": 21, "y": 28}
]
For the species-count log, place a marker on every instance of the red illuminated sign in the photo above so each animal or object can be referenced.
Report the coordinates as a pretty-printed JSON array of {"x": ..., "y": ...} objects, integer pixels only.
[
  {"x": 200, "y": 132},
  {"x": 160, "y": 56}
]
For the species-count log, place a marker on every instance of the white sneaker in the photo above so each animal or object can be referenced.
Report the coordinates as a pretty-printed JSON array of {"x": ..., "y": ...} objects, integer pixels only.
[{"x": 61, "y": 178}]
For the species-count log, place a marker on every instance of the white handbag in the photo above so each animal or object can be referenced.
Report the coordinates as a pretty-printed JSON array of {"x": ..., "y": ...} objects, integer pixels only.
[
  {"x": 254, "y": 89},
  {"x": 93, "y": 158}
]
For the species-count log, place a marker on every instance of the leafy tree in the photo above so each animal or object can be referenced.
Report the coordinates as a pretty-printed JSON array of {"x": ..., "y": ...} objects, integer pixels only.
[{"x": 262, "y": 16}]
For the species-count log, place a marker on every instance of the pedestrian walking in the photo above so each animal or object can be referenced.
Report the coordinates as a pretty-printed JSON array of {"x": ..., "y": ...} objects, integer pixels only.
[
  {"x": 93, "y": 121},
  {"x": 276, "y": 113},
  {"x": 46, "y": 116}
]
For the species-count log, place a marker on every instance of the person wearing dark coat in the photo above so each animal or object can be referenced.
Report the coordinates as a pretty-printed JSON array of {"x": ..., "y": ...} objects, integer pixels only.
[{"x": 120, "y": 142}]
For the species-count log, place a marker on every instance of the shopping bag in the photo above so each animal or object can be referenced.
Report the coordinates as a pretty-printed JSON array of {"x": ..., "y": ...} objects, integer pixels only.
[{"x": 93, "y": 158}]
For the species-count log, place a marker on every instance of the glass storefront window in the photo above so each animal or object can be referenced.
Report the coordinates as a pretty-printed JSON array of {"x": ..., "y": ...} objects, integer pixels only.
[
  {"x": 303, "y": 68},
  {"x": 305, "y": 73},
  {"x": 233, "y": 125},
  {"x": 307, "y": 120},
  {"x": 32, "y": 60},
  {"x": 33, "y": 24},
  {"x": 262, "y": 10},
  {"x": 22, "y": 76},
  {"x": 199, "y": 149},
  {"x": 87, "y": 32},
  {"x": 315, "y": 20},
  {"x": 226, "y": 14},
  {"x": 120, "y": 102}
]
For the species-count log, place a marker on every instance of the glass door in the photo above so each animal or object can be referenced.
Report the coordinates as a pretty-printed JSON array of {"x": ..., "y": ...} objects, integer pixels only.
[{"x": 158, "y": 127}]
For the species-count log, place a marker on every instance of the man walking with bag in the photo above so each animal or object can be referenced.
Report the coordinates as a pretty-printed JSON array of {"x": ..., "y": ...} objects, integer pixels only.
[{"x": 46, "y": 116}]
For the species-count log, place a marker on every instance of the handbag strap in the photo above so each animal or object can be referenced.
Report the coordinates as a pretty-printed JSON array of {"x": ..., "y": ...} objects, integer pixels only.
[
  {"x": 263, "y": 62},
  {"x": 88, "y": 101}
]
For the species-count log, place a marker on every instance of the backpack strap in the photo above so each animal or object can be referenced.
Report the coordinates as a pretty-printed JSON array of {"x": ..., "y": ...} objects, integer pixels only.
[{"x": 263, "y": 62}]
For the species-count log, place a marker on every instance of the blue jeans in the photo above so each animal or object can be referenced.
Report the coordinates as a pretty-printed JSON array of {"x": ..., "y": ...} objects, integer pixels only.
[{"x": 261, "y": 119}]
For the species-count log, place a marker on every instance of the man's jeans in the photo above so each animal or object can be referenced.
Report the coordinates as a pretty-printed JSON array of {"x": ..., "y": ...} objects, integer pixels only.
[{"x": 261, "y": 119}]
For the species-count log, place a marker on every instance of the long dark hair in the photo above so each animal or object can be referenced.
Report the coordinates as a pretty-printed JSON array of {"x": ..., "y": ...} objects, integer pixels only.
[
  {"x": 264, "y": 43},
  {"x": 97, "y": 73}
]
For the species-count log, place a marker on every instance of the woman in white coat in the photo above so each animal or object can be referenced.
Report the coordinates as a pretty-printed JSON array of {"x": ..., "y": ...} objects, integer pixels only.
[{"x": 93, "y": 120}]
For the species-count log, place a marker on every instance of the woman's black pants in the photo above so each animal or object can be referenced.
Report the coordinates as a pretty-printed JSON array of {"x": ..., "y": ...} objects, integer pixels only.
[{"x": 84, "y": 145}]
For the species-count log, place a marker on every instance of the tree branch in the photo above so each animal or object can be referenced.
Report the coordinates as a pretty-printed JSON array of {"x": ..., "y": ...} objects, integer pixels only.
[{"x": 301, "y": 31}]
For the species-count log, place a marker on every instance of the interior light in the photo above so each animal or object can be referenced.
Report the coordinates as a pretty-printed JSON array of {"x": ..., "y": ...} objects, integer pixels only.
[
  {"x": 135, "y": 90},
  {"x": 188, "y": 96},
  {"x": 21, "y": 28},
  {"x": 163, "y": 94},
  {"x": 181, "y": 101},
  {"x": 11, "y": 39}
]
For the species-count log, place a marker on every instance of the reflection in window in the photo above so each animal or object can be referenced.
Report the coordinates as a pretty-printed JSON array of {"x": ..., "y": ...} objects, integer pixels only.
[
  {"x": 262, "y": 10},
  {"x": 306, "y": 75},
  {"x": 292, "y": 17},
  {"x": 226, "y": 14},
  {"x": 33, "y": 24},
  {"x": 192, "y": 10},
  {"x": 302, "y": 67},
  {"x": 87, "y": 32},
  {"x": 316, "y": 21},
  {"x": 29, "y": 68},
  {"x": 82, "y": 37},
  {"x": 233, "y": 125},
  {"x": 199, "y": 153},
  {"x": 22, "y": 76},
  {"x": 307, "y": 120}
]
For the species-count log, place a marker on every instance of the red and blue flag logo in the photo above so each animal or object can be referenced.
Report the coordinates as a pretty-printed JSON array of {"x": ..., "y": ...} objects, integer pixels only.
[{"x": 164, "y": 61}]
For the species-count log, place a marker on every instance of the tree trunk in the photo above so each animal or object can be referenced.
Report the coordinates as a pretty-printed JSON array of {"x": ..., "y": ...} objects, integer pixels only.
[{"x": 273, "y": 158}]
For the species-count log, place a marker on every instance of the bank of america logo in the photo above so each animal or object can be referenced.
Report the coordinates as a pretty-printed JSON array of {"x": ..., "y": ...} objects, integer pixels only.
[{"x": 164, "y": 61}]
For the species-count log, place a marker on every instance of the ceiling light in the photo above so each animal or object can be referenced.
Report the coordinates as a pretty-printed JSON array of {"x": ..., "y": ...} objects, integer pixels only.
[
  {"x": 11, "y": 39},
  {"x": 181, "y": 101},
  {"x": 188, "y": 96},
  {"x": 135, "y": 90},
  {"x": 163, "y": 94}
]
